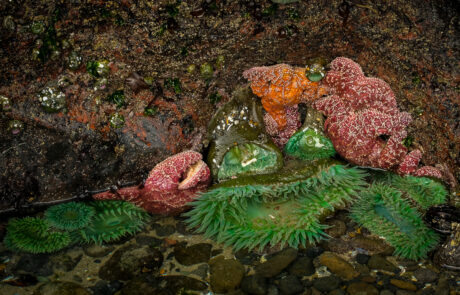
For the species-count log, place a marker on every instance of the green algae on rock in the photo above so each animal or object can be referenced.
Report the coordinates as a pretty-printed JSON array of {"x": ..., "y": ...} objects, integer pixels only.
[
  {"x": 117, "y": 120},
  {"x": 112, "y": 221},
  {"x": 310, "y": 143},
  {"x": 384, "y": 211},
  {"x": 285, "y": 207},
  {"x": 98, "y": 69},
  {"x": 69, "y": 216},
  {"x": 32, "y": 234},
  {"x": 237, "y": 122}
]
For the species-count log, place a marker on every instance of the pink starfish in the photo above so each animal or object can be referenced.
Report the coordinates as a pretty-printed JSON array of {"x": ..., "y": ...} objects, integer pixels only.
[
  {"x": 364, "y": 123},
  {"x": 170, "y": 186}
]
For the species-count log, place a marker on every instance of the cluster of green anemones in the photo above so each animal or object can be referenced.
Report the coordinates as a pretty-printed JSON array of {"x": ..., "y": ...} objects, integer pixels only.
[
  {"x": 69, "y": 223},
  {"x": 275, "y": 209}
]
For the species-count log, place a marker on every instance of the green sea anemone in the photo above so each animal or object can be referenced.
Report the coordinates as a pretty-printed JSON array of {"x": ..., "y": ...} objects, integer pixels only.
[
  {"x": 285, "y": 207},
  {"x": 32, "y": 234},
  {"x": 239, "y": 121},
  {"x": 69, "y": 216},
  {"x": 250, "y": 158},
  {"x": 310, "y": 143},
  {"x": 384, "y": 211},
  {"x": 112, "y": 220},
  {"x": 424, "y": 191}
]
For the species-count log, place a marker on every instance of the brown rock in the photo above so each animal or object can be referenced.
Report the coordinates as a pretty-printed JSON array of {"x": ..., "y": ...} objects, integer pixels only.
[
  {"x": 338, "y": 265},
  {"x": 403, "y": 284},
  {"x": 337, "y": 228},
  {"x": 274, "y": 265},
  {"x": 361, "y": 288},
  {"x": 373, "y": 246},
  {"x": 226, "y": 274}
]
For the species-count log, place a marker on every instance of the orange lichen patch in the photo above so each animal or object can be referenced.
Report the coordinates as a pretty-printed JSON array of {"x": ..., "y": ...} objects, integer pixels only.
[{"x": 280, "y": 86}]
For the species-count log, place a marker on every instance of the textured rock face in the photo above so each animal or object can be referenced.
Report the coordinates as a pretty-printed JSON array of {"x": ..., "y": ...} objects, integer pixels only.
[{"x": 410, "y": 46}]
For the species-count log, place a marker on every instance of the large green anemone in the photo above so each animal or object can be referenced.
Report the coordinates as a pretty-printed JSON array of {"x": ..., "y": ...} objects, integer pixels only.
[
  {"x": 32, "y": 234},
  {"x": 424, "y": 191},
  {"x": 282, "y": 208},
  {"x": 250, "y": 158},
  {"x": 112, "y": 220},
  {"x": 384, "y": 211},
  {"x": 69, "y": 216},
  {"x": 310, "y": 142}
]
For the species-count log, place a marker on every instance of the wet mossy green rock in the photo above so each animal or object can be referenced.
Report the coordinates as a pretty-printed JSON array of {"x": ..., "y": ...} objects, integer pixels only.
[
  {"x": 238, "y": 123},
  {"x": 310, "y": 142},
  {"x": 285, "y": 207}
]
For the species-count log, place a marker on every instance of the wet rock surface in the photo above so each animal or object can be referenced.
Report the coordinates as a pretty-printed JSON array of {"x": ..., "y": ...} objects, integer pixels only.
[{"x": 190, "y": 64}]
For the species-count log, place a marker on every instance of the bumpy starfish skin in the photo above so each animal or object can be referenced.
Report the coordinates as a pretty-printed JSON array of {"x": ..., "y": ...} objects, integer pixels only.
[
  {"x": 281, "y": 137},
  {"x": 280, "y": 86},
  {"x": 361, "y": 112},
  {"x": 163, "y": 191}
]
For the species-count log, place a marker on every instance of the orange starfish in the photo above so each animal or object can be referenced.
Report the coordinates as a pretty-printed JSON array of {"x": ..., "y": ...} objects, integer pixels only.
[{"x": 280, "y": 86}]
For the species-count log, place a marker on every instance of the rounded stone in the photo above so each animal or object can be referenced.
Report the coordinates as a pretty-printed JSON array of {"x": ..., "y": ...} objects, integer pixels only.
[
  {"x": 130, "y": 261},
  {"x": 360, "y": 288},
  {"x": 372, "y": 245},
  {"x": 255, "y": 284},
  {"x": 379, "y": 262},
  {"x": 274, "y": 265},
  {"x": 164, "y": 230},
  {"x": 225, "y": 274},
  {"x": 194, "y": 254},
  {"x": 61, "y": 288},
  {"x": 404, "y": 292},
  {"x": 327, "y": 284},
  {"x": 338, "y": 265},
  {"x": 303, "y": 266},
  {"x": 97, "y": 250},
  {"x": 290, "y": 285},
  {"x": 403, "y": 284},
  {"x": 336, "y": 292},
  {"x": 425, "y": 275},
  {"x": 386, "y": 292}
]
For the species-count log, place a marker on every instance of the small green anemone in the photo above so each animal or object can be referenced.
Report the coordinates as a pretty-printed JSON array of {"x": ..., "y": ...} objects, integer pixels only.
[
  {"x": 113, "y": 220},
  {"x": 310, "y": 142},
  {"x": 250, "y": 158},
  {"x": 384, "y": 212},
  {"x": 32, "y": 234},
  {"x": 69, "y": 216},
  {"x": 282, "y": 208}
]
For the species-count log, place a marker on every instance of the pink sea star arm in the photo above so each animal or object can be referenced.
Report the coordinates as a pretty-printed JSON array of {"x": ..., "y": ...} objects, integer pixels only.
[{"x": 166, "y": 175}]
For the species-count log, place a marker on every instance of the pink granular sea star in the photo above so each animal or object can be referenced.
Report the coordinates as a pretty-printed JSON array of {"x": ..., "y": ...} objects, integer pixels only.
[
  {"x": 170, "y": 186},
  {"x": 364, "y": 123}
]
